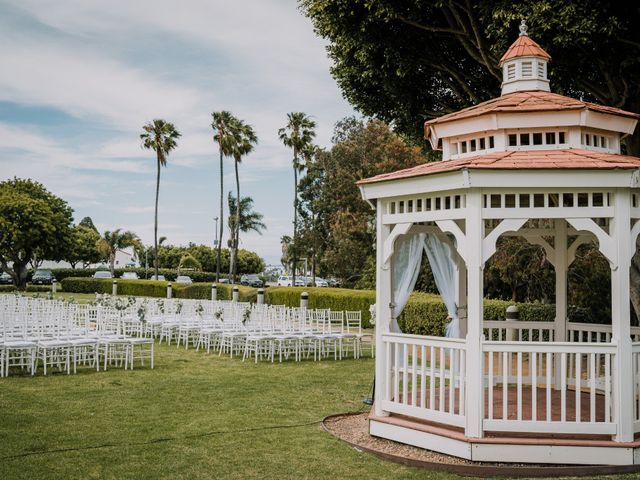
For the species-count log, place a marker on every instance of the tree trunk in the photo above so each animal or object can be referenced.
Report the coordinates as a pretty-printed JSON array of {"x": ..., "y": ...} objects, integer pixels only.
[
  {"x": 20, "y": 274},
  {"x": 155, "y": 223},
  {"x": 295, "y": 216},
  {"x": 221, "y": 211},
  {"x": 233, "y": 264}
]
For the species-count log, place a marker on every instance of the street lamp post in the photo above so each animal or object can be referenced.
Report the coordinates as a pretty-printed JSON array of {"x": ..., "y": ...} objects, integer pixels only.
[
  {"x": 215, "y": 242},
  {"x": 305, "y": 271}
]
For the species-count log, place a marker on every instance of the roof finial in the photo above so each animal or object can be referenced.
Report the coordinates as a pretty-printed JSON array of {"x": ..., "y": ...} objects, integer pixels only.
[{"x": 523, "y": 28}]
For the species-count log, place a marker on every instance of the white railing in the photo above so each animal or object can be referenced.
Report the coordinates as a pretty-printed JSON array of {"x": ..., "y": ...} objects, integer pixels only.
[
  {"x": 523, "y": 393},
  {"x": 425, "y": 377},
  {"x": 635, "y": 368},
  {"x": 517, "y": 331}
]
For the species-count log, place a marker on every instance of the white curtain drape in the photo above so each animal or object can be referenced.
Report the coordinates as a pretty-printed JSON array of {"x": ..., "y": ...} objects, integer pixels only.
[
  {"x": 442, "y": 266},
  {"x": 406, "y": 267}
]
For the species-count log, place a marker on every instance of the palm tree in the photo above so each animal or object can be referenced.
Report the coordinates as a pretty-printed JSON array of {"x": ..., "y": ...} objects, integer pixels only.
[
  {"x": 249, "y": 220},
  {"x": 245, "y": 139},
  {"x": 298, "y": 135},
  {"x": 161, "y": 137},
  {"x": 116, "y": 240},
  {"x": 285, "y": 244},
  {"x": 222, "y": 126}
]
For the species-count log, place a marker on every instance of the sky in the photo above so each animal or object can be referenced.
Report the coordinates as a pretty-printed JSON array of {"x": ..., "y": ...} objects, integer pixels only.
[{"x": 79, "y": 78}]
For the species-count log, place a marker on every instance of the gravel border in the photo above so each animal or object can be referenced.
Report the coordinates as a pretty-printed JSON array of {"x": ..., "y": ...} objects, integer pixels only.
[{"x": 353, "y": 428}]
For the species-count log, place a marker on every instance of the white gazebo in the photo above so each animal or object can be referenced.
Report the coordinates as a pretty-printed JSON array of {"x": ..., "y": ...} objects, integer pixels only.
[{"x": 547, "y": 168}]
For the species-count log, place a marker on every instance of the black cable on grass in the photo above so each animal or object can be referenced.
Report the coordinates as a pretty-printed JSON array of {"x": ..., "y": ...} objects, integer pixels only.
[{"x": 158, "y": 440}]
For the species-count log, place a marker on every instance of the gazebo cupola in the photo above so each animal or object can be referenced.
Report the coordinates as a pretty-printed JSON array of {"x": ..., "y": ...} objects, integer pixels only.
[{"x": 524, "y": 65}]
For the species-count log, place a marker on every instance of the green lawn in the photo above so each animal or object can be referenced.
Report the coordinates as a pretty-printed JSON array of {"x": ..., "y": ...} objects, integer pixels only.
[{"x": 194, "y": 416}]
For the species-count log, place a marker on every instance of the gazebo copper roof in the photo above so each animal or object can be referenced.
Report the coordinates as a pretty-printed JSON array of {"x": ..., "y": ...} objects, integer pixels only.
[
  {"x": 527, "y": 101},
  {"x": 577, "y": 159},
  {"x": 524, "y": 47}
]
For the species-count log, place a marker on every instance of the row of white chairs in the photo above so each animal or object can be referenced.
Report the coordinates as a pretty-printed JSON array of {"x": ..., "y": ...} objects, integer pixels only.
[
  {"x": 267, "y": 332},
  {"x": 62, "y": 336}
]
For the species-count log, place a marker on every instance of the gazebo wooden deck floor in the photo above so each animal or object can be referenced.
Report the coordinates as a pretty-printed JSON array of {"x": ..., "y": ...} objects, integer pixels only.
[{"x": 526, "y": 404}]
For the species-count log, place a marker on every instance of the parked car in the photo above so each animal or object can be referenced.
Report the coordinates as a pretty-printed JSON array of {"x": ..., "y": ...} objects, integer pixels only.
[
  {"x": 321, "y": 282},
  {"x": 159, "y": 278},
  {"x": 224, "y": 280},
  {"x": 42, "y": 277},
  {"x": 287, "y": 281},
  {"x": 333, "y": 282},
  {"x": 130, "y": 276},
  {"x": 251, "y": 281},
  {"x": 184, "y": 280},
  {"x": 6, "y": 279},
  {"x": 102, "y": 274}
]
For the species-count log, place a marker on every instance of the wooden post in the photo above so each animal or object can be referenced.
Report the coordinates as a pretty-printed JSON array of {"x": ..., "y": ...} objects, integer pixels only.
[
  {"x": 561, "y": 267},
  {"x": 383, "y": 309},
  {"x": 475, "y": 311},
  {"x": 621, "y": 317}
]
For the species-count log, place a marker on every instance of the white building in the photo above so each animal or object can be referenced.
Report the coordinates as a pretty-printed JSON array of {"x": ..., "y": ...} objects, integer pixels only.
[{"x": 548, "y": 168}]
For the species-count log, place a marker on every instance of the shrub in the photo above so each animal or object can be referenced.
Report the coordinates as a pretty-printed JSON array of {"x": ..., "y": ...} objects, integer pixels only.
[
  {"x": 225, "y": 292},
  {"x": 333, "y": 298},
  {"x": 152, "y": 288},
  {"x": 30, "y": 288},
  {"x": 86, "y": 285},
  {"x": 170, "y": 275}
]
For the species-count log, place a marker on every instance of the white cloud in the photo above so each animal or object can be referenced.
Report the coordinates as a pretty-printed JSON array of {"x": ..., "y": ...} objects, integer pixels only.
[{"x": 116, "y": 65}]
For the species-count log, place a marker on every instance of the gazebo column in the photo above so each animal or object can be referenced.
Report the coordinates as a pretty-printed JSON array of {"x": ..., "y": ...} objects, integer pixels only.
[
  {"x": 474, "y": 237},
  {"x": 561, "y": 267},
  {"x": 383, "y": 309},
  {"x": 461, "y": 297},
  {"x": 621, "y": 317}
]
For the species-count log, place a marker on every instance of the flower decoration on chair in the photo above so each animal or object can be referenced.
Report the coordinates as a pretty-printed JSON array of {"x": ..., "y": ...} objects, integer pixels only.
[{"x": 246, "y": 315}]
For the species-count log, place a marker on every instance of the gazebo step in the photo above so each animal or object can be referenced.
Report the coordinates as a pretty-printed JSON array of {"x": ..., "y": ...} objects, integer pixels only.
[{"x": 505, "y": 447}]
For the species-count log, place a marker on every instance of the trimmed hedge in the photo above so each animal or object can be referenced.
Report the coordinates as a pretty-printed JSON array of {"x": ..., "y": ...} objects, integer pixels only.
[
  {"x": 170, "y": 274},
  {"x": 30, "y": 288},
  {"x": 225, "y": 292},
  {"x": 333, "y": 298},
  {"x": 153, "y": 288}
]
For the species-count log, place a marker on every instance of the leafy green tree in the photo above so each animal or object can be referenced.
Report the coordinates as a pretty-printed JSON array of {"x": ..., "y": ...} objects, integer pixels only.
[
  {"x": 298, "y": 135},
  {"x": 344, "y": 223},
  {"x": 313, "y": 232},
  {"x": 249, "y": 219},
  {"x": 406, "y": 62},
  {"x": 161, "y": 137},
  {"x": 286, "y": 246},
  {"x": 115, "y": 240},
  {"x": 519, "y": 271},
  {"x": 88, "y": 223},
  {"x": 84, "y": 246},
  {"x": 189, "y": 262},
  {"x": 249, "y": 262},
  {"x": 32, "y": 220}
]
